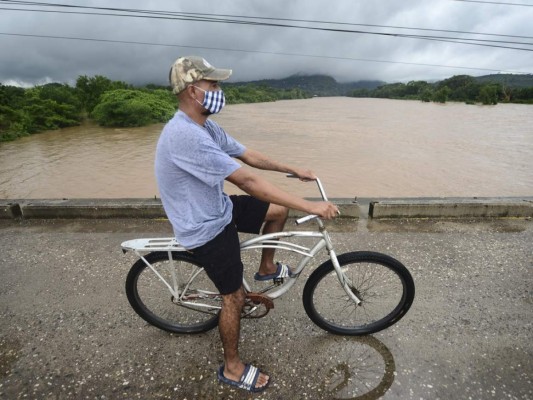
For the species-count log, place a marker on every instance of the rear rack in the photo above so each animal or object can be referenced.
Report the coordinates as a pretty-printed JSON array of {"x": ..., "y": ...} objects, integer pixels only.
[{"x": 152, "y": 244}]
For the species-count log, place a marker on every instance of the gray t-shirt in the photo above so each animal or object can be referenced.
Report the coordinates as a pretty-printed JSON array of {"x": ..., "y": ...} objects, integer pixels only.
[{"x": 191, "y": 164}]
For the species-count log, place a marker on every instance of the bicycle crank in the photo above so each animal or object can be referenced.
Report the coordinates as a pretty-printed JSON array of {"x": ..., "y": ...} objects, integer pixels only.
[{"x": 256, "y": 305}]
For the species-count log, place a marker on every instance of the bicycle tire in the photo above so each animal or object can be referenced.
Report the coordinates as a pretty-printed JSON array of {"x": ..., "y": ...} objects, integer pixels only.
[
  {"x": 154, "y": 303},
  {"x": 383, "y": 284}
]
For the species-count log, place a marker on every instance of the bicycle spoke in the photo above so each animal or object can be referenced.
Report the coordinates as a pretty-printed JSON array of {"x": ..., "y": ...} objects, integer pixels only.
[
  {"x": 376, "y": 280},
  {"x": 195, "y": 310}
]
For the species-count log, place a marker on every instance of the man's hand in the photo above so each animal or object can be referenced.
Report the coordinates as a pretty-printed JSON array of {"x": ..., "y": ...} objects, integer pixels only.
[
  {"x": 304, "y": 175},
  {"x": 324, "y": 209},
  {"x": 259, "y": 187},
  {"x": 256, "y": 159}
]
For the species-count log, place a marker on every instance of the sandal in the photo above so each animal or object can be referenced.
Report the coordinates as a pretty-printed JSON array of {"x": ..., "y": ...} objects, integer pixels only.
[
  {"x": 283, "y": 271},
  {"x": 248, "y": 379}
]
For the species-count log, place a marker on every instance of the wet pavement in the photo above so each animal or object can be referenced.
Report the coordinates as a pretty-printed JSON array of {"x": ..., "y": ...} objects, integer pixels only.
[{"x": 68, "y": 332}]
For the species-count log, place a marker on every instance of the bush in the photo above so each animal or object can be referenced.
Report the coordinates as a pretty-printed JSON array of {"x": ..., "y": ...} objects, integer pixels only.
[
  {"x": 488, "y": 95},
  {"x": 11, "y": 124},
  {"x": 134, "y": 108},
  {"x": 26, "y": 111},
  {"x": 90, "y": 89},
  {"x": 441, "y": 95},
  {"x": 251, "y": 93},
  {"x": 51, "y": 106}
]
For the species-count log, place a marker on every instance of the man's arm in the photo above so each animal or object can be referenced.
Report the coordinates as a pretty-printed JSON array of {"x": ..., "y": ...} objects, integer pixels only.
[
  {"x": 260, "y": 188},
  {"x": 256, "y": 159}
]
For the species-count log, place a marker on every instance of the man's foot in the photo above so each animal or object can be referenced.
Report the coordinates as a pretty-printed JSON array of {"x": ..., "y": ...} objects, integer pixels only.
[
  {"x": 251, "y": 379},
  {"x": 282, "y": 271}
]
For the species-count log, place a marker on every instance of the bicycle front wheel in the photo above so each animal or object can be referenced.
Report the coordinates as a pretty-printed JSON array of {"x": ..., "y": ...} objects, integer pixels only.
[
  {"x": 383, "y": 284},
  {"x": 176, "y": 295}
]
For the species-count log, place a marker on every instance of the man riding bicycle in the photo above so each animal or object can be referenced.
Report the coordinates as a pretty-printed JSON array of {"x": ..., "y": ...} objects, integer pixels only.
[{"x": 194, "y": 157}]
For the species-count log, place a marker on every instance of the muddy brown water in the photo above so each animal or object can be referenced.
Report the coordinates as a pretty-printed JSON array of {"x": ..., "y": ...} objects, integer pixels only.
[{"x": 358, "y": 147}]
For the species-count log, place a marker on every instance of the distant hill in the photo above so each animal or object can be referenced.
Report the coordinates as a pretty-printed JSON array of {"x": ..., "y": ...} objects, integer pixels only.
[
  {"x": 316, "y": 85},
  {"x": 324, "y": 85},
  {"x": 509, "y": 80}
]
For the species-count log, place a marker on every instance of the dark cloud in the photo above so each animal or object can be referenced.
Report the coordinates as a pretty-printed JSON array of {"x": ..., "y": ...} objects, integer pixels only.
[{"x": 256, "y": 52}]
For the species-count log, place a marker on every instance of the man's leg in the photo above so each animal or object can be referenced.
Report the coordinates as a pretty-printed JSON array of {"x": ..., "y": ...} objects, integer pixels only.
[
  {"x": 229, "y": 326},
  {"x": 275, "y": 219},
  {"x": 221, "y": 258}
]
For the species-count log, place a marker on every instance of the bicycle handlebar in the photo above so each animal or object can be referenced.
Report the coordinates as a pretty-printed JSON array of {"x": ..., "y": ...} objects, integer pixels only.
[
  {"x": 300, "y": 221},
  {"x": 322, "y": 193},
  {"x": 320, "y": 187}
]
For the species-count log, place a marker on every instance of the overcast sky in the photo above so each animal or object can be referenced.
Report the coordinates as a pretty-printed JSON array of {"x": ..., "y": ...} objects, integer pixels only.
[{"x": 259, "y": 52}]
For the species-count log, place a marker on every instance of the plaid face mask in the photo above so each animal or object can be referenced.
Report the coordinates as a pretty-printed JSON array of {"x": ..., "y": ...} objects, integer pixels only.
[{"x": 214, "y": 100}]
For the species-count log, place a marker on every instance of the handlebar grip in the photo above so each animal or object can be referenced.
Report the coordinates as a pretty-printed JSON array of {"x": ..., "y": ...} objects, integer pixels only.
[{"x": 305, "y": 219}]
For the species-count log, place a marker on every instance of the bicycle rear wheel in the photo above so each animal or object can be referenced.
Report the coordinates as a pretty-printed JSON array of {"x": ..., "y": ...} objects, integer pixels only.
[
  {"x": 196, "y": 308},
  {"x": 384, "y": 286}
]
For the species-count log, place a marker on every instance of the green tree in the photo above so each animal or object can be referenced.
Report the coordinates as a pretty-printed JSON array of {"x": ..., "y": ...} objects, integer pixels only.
[
  {"x": 462, "y": 88},
  {"x": 11, "y": 96},
  {"x": 522, "y": 95},
  {"x": 46, "y": 113},
  {"x": 163, "y": 94},
  {"x": 416, "y": 89},
  {"x": 426, "y": 95},
  {"x": 12, "y": 118},
  {"x": 60, "y": 93},
  {"x": 488, "y": 94},
  {"x": 26, "y": 111},
  {"x": 125, "y": 107},
  {"x": 13, "y": 123},
  {"x": 364, "y": 92},
  {"x": 89, "y": 90},
  {"x": 391, "y": 91},
  {"x": 294, "y": 93},
  {"x": 252, "y": 93},
  {"x": 441, "y": 94}
]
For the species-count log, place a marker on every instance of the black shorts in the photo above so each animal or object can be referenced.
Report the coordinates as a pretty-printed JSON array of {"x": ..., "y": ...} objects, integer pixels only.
[
  {"x": 248, "y": 213},
  {"x": 221, "y": 256}
]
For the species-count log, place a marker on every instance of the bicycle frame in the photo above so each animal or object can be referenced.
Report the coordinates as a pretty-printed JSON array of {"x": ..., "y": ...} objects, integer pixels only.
[{"x": 272, "y": 240}]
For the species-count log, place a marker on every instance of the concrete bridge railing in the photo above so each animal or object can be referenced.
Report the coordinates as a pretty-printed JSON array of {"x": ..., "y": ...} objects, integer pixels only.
[{"x": 377, "y": 209}]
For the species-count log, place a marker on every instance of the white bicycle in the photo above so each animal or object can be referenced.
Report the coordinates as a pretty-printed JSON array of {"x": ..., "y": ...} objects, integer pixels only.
[{"x": 355, "y": 293}]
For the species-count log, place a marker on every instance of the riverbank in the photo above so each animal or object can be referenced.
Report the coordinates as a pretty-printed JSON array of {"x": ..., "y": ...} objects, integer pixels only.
[{"x": 500, "y": 207}]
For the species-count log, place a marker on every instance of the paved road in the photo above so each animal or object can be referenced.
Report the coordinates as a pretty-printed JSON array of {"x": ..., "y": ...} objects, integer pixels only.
[{"x": 67, "y": 331}]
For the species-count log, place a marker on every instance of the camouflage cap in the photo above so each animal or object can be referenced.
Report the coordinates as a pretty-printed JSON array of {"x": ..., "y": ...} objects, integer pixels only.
[{"x": 191, "y": 69}]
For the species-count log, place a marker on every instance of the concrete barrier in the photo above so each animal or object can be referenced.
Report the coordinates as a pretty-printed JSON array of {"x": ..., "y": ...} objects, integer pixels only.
[
  {"x": 347, "y": 207},
  {"x": 9, "y": 209},
  {"x": 92, "y": 208},
  {"x": 452, "y": 208},
  {"x": 114, "y": 208},
  {"x": 380, "y": 209}
]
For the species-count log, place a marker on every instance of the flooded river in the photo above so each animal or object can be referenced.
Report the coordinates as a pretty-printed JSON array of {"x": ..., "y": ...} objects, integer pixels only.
[{"x": 358, "y": 147}]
